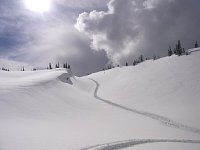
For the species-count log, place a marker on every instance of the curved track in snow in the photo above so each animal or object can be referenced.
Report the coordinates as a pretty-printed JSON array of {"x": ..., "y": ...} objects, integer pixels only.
[
  {"x": 164, "y": 120},
  {"x": 129, "y": 143}
]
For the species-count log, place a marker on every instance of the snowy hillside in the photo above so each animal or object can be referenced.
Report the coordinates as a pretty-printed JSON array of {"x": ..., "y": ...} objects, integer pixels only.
[
  {"x": 168, "y": 86},
  {"x": 153, "y": 106},
  {"x": 193, "y": 50}
]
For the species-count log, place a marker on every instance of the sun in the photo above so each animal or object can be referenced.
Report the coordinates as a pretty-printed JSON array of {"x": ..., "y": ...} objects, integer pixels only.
[{"x": 38, "y": 5}]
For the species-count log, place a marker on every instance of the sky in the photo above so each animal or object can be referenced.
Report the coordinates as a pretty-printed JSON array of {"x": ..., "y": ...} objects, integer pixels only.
[{"x": 90, "y": 34}]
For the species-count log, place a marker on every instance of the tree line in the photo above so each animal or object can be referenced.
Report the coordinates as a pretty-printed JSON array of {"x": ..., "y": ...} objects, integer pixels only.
[
  {"x": 178, "y": 50},
  {"x": 5, "y": 69},
  {"x": 65, "y": 65},
  {"x": 49, "y": 67}
]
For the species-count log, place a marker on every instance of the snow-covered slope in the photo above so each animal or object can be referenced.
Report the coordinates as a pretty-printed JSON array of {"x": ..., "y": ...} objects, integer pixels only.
[
  {"x": 189, "y": 51},
  {"x": 168, "y": 86},
  {"x": 155, "y": 102}
]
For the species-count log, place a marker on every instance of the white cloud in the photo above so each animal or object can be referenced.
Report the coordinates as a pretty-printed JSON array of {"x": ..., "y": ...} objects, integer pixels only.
[
  {"x": 82, "y": 4},
  {"x": 127, "y": 30},
  {"x": 112, "y": 31}
]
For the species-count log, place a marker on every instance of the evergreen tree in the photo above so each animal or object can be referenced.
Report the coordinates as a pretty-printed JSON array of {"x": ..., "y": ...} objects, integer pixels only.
[
  {"x": 50, "y": 66},
  {"x": 65, "y": 65},
  {"x": 179, "y": 52},
  {"x": 69, "y": 67},
  {"x": 179, "y": 44},
  {"x": 58, "y": 65},
  {"x": 134, "y": 62},
  {"x": 109, "y": 67},
  {"x": 170, "y": 51},
  {"x": 179, "y": 48},
  {"x": 183, "y": 51},
  {"x": 175, "y": 51},
  {"x": 141, "y": 58},
  {"x": 196, "y": 45}
]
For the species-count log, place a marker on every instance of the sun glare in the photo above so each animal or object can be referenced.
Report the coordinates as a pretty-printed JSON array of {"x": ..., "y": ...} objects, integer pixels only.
[{"x": 38, "y": 5}]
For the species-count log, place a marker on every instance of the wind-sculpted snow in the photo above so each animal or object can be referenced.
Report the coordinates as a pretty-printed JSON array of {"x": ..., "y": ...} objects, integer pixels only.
[
  {"x": 131, "y": 143},
  {"x": 164, "y": 120},
  {"x": 65, "y": 77}
]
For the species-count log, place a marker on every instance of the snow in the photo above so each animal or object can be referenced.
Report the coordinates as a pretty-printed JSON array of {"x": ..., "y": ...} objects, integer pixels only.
[
  {"x": 189, "y": 51},
  {"x": 154, "y": 105},
  {"x": 167, "y": 86}
]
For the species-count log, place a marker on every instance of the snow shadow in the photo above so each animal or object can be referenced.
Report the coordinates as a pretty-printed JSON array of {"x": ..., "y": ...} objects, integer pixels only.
[{"x": 66, "y": 78}]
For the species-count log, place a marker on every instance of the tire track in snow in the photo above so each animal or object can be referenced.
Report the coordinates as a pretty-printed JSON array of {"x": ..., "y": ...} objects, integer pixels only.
[
  {"x": 164, "y": 120},
  {"x": 131, "y": 143}
]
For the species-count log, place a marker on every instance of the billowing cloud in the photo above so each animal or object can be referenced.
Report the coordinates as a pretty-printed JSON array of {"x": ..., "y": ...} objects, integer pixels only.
[
  {"x": 127, "y": 30},
  {"x": 113, "y": 31}
]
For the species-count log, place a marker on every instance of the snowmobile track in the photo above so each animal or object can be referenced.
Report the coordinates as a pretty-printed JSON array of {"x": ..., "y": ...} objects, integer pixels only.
[
  {"x": 164, "y": 120},
  {"x": 130, "y": 143}
]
